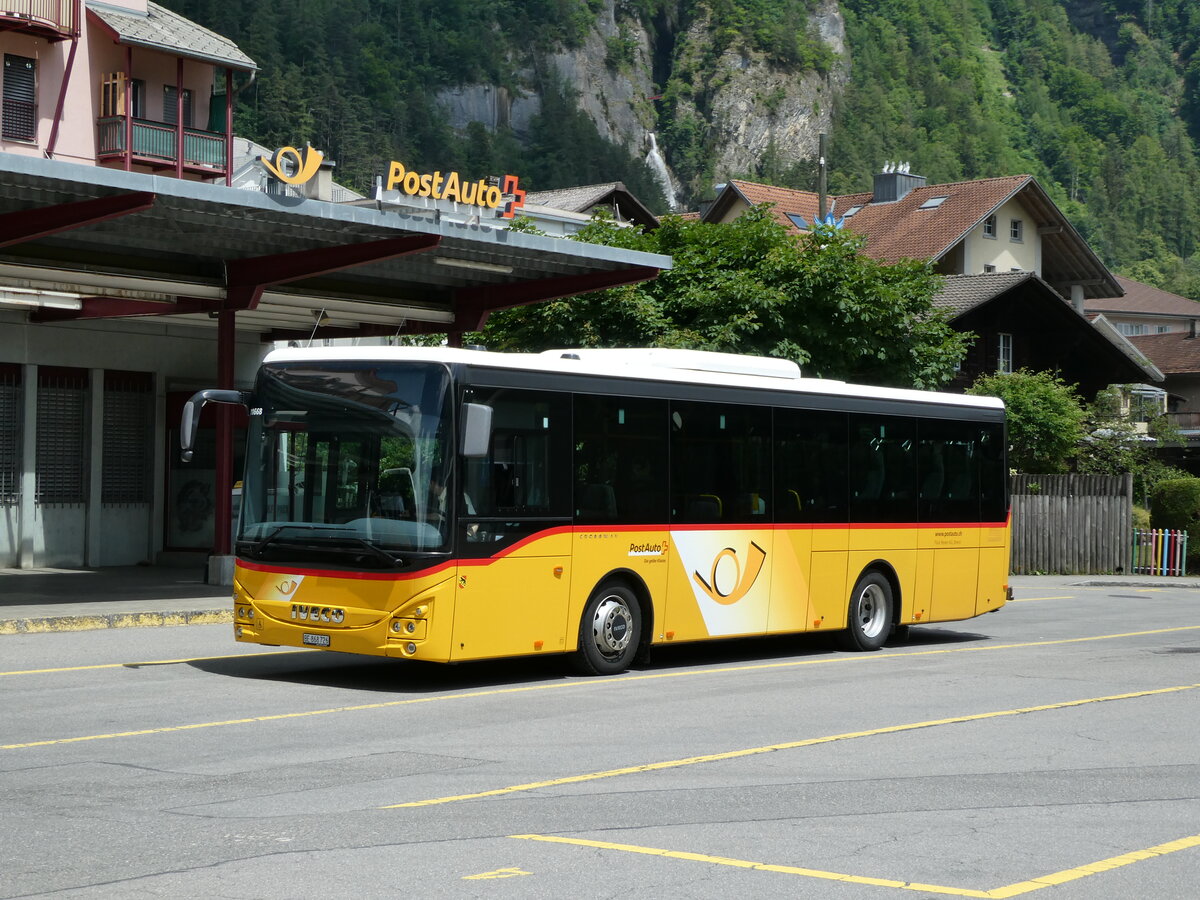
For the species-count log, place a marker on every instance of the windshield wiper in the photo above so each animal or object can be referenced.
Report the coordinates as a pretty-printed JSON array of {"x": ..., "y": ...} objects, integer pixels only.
[
  {"x": 378, "y": 551},
  {"x": 330, "y": 542}
]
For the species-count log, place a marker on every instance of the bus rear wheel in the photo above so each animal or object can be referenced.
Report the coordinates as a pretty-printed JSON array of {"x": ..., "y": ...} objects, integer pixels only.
[
  {"x": 869, "y": 619},
  {"x": 609, "y": 632}
]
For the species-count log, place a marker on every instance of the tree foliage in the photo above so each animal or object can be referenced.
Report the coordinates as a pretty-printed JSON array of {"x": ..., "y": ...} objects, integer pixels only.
[
  {"x": 1045, "y": 418},
  {"x": 751, "y": 287}
]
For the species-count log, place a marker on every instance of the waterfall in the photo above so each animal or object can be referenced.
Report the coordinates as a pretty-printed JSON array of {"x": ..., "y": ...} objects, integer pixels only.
[{"x": 655, "y": 161}]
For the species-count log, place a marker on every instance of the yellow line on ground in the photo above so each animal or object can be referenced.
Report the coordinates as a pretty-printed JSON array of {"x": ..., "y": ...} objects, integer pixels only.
[
  {"x": 1012, "y": 890},
  {"x": 790, "y": 745},
  {"x": 153, "y": 662},
  {"x": 580, "y": 683},
  {"x": 1104, "y": 865}
]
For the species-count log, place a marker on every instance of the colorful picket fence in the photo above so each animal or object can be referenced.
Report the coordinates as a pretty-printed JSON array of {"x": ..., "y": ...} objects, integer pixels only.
[{"x": 1159, "y": 551}]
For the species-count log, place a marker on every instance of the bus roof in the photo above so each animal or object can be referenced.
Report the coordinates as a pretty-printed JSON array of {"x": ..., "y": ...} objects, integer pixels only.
[{"x": 650, "y": 364}]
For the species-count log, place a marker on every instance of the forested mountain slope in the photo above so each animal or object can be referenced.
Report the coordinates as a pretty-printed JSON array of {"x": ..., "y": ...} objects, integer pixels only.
[{"x": 1100, "y": 99}]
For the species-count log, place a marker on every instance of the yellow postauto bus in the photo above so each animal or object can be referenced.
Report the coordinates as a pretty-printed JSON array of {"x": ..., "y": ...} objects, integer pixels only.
[{"x": 448, "y": 504}]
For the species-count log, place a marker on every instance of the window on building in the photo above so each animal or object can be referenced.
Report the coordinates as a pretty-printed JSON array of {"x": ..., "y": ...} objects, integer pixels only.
[
  {"x": 1131, "y": 329},
  {"x": 19, "y": 120},
  {"x": 989, "y": 227},
  {"x": 112, "y": 96},
  {"x": 62, "y": 435},
  {"x": 170, "y": 105},
  {"x": 128, "y": 437},
  {"x": 1162, "y": 329},
  {"x": 1004, "y": 362},
  {"x": 851, "y": 211},
  {"x": 933, "y": 203},
  {"x": 1016, "y": 230},
  {"x": 10, "y": 434},
  {"x": 988, "y": 269}
]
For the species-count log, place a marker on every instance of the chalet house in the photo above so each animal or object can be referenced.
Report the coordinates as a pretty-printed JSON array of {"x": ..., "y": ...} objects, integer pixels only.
[
  {"x": 124, "y": 83},
  {"x": 1166, "y": 328},
  {"x": 1021, "y": 273},
  {"x": 566, "y": 210}
]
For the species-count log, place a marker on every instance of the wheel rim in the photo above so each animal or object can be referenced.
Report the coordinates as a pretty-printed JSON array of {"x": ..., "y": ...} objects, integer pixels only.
[
  {"x": 872, "y": 611},
  {"x": 612, "y": 626}
]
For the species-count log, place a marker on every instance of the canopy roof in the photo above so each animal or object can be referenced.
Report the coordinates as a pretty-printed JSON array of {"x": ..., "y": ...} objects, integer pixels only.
[{"x": 90, "y": 242}]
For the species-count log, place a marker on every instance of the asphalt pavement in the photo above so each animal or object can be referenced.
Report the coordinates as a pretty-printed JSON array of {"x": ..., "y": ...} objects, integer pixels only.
[{"x": 44, "y": 600}]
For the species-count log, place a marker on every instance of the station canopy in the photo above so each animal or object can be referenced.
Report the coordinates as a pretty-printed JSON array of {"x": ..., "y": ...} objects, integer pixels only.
[{"x": 83, "y": 242}]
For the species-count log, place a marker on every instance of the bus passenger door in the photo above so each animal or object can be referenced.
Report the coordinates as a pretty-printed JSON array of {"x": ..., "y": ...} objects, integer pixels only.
[{"x": 514, "y": 535}]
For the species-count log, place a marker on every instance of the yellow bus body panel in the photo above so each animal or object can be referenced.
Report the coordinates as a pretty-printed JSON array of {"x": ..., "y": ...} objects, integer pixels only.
[{"x": 700, "y": 583}]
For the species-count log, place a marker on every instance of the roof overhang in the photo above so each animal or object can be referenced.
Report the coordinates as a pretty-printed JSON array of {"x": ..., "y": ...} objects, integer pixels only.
[
  {"x": 127, "y": 244},
  {"x": 1067, "y": 259}
]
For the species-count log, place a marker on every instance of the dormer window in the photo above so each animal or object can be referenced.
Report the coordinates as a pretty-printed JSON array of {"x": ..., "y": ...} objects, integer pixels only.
[
  {"x": 989, "y": 226},
  {"x": 933, "y": 203}
]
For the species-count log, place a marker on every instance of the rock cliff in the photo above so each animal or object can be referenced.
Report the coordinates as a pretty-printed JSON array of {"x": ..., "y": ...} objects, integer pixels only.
[{"x": 745, "y": 108}]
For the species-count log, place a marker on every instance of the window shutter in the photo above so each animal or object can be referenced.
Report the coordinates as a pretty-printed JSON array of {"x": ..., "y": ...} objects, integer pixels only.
[
  {"x": 10, "y": 435},
  {"x": 62, "y": 426},
  {"x": 19, "y": 120},
  {"x": 128, "y": 437}
]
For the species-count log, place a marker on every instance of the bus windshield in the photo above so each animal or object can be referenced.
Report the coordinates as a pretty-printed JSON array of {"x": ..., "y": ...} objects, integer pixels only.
[{"x": 347, "y": 464}]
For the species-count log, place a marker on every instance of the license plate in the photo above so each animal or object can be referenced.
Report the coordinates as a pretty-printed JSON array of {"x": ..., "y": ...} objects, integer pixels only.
[{"x": 316, "y": 640}]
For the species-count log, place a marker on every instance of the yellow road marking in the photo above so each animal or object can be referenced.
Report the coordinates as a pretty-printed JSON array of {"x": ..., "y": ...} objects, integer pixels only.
[
  {"x": 558, "y": 685},
  {"x": 499, "y": 873},
  {"x": 1011, "y": 890},
  {"x": 790, "y": 745},
  {"x": 151, "y": 662}
]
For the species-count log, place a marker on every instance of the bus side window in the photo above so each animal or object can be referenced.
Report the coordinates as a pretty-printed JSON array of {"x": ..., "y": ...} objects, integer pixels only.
[
  {"x": 883, "y": 469},
  {"x": 619, "y": 464},
  {"x": 810, "y": 466},
  {"x": 525, "y": 474},
  {"x": 720, "y": 462}
]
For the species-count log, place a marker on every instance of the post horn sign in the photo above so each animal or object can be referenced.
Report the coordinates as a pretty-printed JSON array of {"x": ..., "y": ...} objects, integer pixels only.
[
  {"x": 302, "y": 166},
  {"x": 452, "y": 186}
]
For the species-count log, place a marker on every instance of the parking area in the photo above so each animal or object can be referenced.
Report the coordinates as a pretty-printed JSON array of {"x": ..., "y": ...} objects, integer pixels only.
[{"x": 1048, "y": 748}]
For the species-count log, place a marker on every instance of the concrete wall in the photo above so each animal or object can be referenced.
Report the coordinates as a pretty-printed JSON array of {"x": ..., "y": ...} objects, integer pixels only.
[{"x": 181, "y": 357}]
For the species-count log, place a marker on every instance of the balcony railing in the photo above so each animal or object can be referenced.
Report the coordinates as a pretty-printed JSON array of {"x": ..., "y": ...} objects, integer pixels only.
[
  {"x": 52, "y": 18},
  {"x": 1185, "y": 421},
  {"x": 154, "y": 143}
]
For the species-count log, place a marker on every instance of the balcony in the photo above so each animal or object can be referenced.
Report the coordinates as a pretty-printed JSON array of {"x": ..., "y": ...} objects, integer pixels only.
[
  {"x": 53, "y": 20},
  {"x": 155, "y": 144}
]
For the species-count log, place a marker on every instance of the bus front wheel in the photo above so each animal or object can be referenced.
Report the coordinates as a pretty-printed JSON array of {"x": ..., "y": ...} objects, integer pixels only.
[
  {"x": 609, "y": 632},
  {"x": 869, "y": 621}
]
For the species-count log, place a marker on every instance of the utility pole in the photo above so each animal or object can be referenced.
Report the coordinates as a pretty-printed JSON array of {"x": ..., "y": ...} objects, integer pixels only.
[{"x": 821, "y": 178}]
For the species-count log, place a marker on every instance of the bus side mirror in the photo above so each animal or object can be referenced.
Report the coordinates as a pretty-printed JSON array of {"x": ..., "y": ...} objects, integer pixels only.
[
  {"x": 476, "y": 430},
  {"x": 191, "y": 416}
]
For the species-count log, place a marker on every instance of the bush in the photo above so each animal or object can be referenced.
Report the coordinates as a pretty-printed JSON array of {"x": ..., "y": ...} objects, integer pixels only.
[
  {"x": 1141, "y": 518},
  {"x": 1175, "y": 503}
]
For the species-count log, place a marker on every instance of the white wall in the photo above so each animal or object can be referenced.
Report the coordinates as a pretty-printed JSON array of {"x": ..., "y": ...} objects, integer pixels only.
[{"x": 182, "y": 357}]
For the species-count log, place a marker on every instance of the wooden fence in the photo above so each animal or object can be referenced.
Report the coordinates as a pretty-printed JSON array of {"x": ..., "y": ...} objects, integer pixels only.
[{"x": 1071, "y": 524}]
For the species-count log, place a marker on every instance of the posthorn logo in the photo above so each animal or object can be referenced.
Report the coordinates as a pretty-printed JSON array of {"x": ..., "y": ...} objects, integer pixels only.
[{"x": 285, "y": 158}]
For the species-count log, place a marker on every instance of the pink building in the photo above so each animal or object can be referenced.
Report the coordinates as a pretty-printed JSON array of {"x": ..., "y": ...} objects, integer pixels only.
[{"x": 122, "y": 83}]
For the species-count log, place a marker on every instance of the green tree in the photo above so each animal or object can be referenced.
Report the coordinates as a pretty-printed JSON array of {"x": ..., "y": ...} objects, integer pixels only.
[
  {"x": 1045, "y": 418},
  {"x": 751, "y": 287},
  {"x": 1114, "y": 445}
]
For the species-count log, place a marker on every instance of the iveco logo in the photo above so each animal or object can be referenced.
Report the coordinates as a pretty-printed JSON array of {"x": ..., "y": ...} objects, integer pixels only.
[{"x": 318, "y": 613}]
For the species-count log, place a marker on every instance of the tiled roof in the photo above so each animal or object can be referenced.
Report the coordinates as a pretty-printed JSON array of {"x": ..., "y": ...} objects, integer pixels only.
[
  {"x": 783, "y": 200},
  {"x": 962, "y": 293},
  {"x": 574, "y": 199},
  {"x": 585, "y": 197},
  {"x": 1142, "y": 298},
  {"x": 1174, "y": 352},
  {"x": 902, "y": 229},
  {"x": 162, "y": 29}
]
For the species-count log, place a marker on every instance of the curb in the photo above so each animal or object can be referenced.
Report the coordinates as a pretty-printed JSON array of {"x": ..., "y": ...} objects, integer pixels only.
[{"x": 49, "y": 624}]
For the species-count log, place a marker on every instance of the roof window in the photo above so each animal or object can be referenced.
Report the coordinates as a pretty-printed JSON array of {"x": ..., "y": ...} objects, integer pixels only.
[{"x": 933, "y": 203}]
